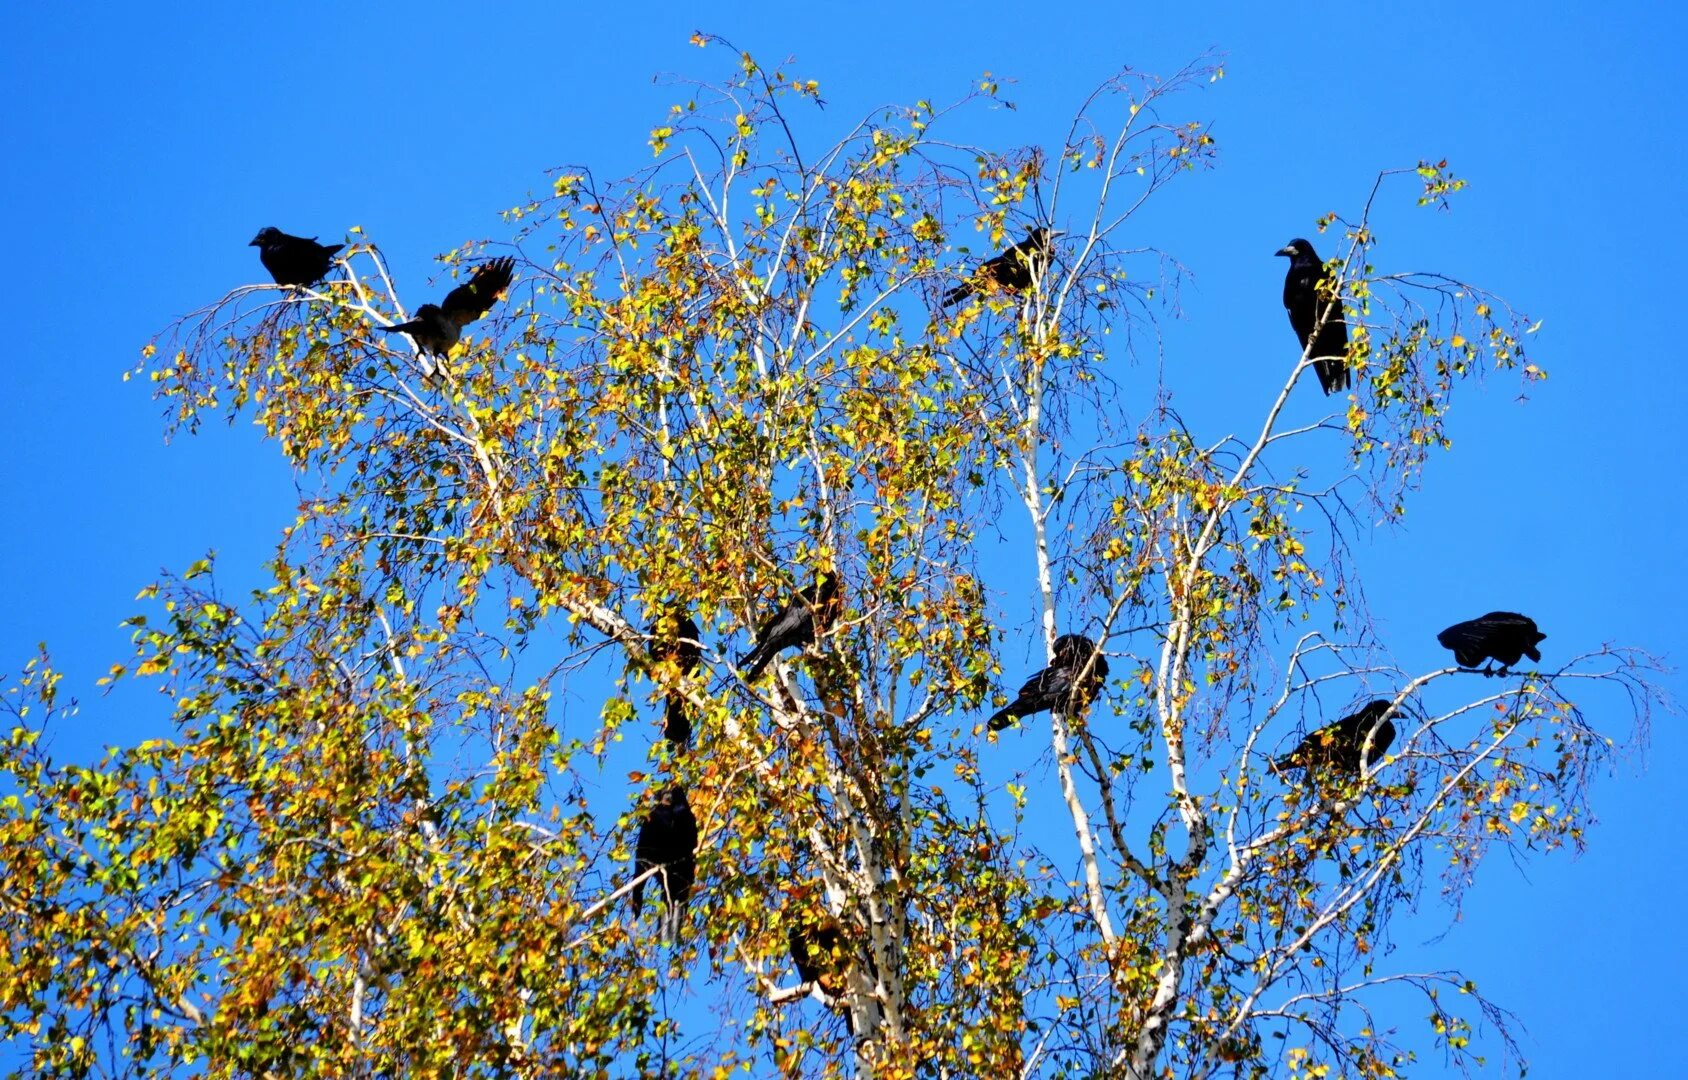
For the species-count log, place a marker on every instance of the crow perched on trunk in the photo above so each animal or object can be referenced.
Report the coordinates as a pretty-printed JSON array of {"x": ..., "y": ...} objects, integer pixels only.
[
  {"x": 293, "y": 260},
  {"x": 436, "y": 328},
  {"x": 1338, "y": 746},
  {"x": 1504, "y": 635},
  {"x": 794, "y": 625},
  {"x": 1306, "y": 302},
  {"x": 677, "y": 640},
  {"x": 668, "y": 839},
  {"x": 821, "y": 953},
  {"x": 1057, "y": 686},
  {"x": 1010, "y": 271}
]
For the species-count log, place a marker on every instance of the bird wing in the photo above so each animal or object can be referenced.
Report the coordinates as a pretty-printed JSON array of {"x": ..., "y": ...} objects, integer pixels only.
[
  {"x": 682, "y": 854},
  {"x": 1507, "y": 620},
  {"x": 1048, "y": 686},
  {"x": 1469, "y": 641},
  {"x": 785, "y": 627},
  {"x": 652, "y": 846},
  {"x": 475, "y": 297},
  {"x": 1332, "y": 341}
]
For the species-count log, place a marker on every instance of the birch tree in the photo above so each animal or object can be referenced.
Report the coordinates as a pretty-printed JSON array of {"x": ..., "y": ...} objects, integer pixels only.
[{"x": 389, "y": 831}]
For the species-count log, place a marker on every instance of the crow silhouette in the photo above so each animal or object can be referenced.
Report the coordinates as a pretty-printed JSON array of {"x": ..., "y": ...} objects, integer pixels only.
[
  {"x": 1307, "y": 295},
  {"x": 1338, "y": 746},
  {"x": 675, "y": 639},
  {"x": 668, "y": 839},
  {"x": 1057, "y": 686},
  {"x": 437, "y": 327},
  {"x": 821, "y": 953},
  {"x": 1505, "y": 636},
  {"x": 1010, "y": 271},
  {"x": 795, "y": 625},
  {"x": 293, "y": 260}
]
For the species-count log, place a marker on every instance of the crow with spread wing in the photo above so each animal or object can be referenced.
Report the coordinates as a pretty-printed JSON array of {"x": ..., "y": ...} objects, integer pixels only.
[{"x": 437, "y": 327}]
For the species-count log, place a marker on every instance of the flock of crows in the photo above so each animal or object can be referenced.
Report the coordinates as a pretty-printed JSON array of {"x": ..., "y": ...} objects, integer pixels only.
[{"x": 666, "y": 847}]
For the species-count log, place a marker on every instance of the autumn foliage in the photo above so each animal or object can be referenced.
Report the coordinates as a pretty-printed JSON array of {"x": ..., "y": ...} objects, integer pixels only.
[{"x": 390, "y": 829}]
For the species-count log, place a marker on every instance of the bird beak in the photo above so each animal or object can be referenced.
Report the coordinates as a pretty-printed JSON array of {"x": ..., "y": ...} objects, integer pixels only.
[
  {"x": 254, "y": 242},
  {"x": 1286, "y": 251}
]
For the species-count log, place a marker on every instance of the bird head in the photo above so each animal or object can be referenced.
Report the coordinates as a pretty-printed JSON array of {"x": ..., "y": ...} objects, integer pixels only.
[
  {"x": 1378, "y": 708},
  {"x": 1299, "y": 250},
  {"x": 1073, "y": 647},
  {"x": 1041, "y": 236},
  {"x": 265, "y": 236}
]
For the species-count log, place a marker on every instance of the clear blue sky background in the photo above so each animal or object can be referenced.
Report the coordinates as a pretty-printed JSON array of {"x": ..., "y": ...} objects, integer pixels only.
[{"x": 143, "y": 148}]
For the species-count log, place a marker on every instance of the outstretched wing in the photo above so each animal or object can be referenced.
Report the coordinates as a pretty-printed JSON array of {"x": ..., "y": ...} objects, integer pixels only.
[{"x": 475, "y": 297}]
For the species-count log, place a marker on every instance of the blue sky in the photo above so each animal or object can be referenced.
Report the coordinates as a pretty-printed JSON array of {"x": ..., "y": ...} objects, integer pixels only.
[{"x": 144, "y": 148}]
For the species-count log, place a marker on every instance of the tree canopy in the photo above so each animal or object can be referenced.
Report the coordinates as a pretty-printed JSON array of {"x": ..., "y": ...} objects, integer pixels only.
[{"x": 392, "y": 831}]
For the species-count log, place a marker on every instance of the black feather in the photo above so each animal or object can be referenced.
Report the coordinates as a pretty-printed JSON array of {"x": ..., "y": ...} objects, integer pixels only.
[
  {"x": 1338, "y": 746},
  {"x": 1056, "y": 686},
  {"x": 1506, "y": 636},
  {"x": 1010, "y": 271},
  {"x": 293, "y": 260},
  {"x": 794, "y": 624},
  {"x": 668, "y": 839},
  {"x": 1307, "y": 298},
  {"x": 437, "y": 327}
]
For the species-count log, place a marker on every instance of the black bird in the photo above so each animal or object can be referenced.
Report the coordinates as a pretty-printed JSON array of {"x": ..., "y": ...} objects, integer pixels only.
[
  {"x": 1054, "y": 687},
  {"x": 1305, "y": 302},
  {"x": 436, "y": 328},
  {"x": 293, "y": 260},
  {"x": 1338, "y": 746},
  {"x": 795, "y": 624},
  {"x": 1011, "y": 270},
  {"x": 668, "y": 839},
  {"x": 677, "y": 640},
  {"x": 821, "y": 953},
  {"x": 1504, "y": 635}
]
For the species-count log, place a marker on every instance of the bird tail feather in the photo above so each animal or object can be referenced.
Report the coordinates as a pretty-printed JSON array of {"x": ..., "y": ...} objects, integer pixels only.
[
  {"x": 678, "y": 727},
  {"x": 1002, "y": 718}
]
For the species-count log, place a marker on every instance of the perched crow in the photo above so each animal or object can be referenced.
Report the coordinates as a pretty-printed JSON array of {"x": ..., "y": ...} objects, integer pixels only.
[
  {"x": 1011, "y": 270},
  {"x": 1504, "y": 635},
  {"x": 668, "y": 838},
  {"x": 293, "y": 260},
  {"x": 1337, "y": 746},
  {"x": 436, "y": 328},
  {"x": 795, "y": 624},
  {"x": 1303, "y": 301},
  {"x": 677, "y": 640},
  {"x": 1053, "y": 687},
  {"x": 821, "y": 953}
]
